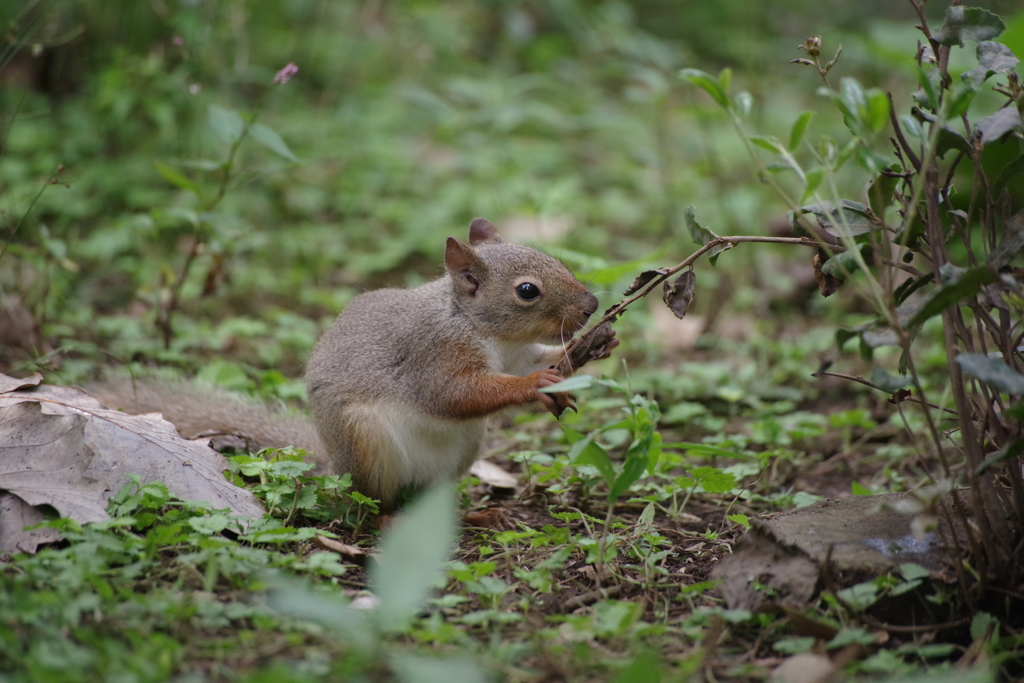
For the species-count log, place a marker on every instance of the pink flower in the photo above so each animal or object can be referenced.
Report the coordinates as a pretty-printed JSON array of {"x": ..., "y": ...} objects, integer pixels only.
[
  {"x": 285, "y": 74},
  {"x": 178, "y": 40}
]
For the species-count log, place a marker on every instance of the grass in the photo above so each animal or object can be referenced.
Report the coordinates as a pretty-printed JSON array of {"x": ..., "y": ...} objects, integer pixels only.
[{"x": 135, "y": 188}]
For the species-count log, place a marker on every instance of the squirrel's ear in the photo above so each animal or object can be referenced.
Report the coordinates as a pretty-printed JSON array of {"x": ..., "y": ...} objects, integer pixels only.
[
  {"x": 463, "y": 265},
  {"x": 482, "y": 231}
]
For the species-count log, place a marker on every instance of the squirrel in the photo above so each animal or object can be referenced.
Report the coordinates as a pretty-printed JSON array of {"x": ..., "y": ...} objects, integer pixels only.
[{"x": 401, "y": 384}]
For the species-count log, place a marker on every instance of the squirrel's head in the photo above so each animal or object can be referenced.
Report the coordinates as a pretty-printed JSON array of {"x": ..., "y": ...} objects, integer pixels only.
[{"x": 514, "y": 292}]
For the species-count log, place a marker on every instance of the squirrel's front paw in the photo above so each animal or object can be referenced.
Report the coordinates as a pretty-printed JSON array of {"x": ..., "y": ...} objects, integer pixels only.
[
  {"x": 555, "y": 403},
  {"x": 598, "y": 346}
]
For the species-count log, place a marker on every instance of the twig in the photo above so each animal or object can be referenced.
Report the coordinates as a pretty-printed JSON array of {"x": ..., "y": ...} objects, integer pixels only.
[
  {"x": 591, "y": 597},
  {"x": 923, "y": 628},
  {"x": 901, "y": 266},
  {"x": 52, "y": 180},
  {"x": 911, "y": 157},
  {"x": 868, "y": 383},
  {"x": 665, "y": 273}
]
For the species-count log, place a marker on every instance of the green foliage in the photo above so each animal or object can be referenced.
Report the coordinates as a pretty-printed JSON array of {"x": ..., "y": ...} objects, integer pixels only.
[
  {"x": 967, "y": 277},
  {"x": 143, "y": 592},
  {"x": 147, "y": 180}
]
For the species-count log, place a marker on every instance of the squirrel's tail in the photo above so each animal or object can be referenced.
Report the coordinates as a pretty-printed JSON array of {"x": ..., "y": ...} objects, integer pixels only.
[{"x": 199, "y": 410}]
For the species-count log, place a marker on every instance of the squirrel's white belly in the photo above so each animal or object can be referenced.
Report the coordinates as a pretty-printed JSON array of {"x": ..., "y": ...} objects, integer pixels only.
[{"x": 418, "y": 449}]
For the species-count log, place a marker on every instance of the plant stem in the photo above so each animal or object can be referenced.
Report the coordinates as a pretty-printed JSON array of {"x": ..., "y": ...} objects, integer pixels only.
[
  {"x": 665, "y": 273},
  {"x": 868, "y": 383}
]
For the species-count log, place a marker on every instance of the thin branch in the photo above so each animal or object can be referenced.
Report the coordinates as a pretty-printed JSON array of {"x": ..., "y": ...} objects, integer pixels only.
[
  {"x": 868, "y": 383},
  {"x": 665, "y": 273},
  {"x": 921, "y": 628},
  {"x": 914, "y": 161},
  {"x": 901, "y": 266}
]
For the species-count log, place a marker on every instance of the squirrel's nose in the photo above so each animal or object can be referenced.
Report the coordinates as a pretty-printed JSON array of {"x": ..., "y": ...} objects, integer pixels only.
[{"x": 589, "y": 305}]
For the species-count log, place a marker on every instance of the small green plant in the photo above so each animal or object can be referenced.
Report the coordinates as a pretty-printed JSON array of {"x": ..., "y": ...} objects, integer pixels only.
[
  {"x": 290, "y": 494},
  {"x": 231, "y": 128},
  {"x": 636, "y": 431}
]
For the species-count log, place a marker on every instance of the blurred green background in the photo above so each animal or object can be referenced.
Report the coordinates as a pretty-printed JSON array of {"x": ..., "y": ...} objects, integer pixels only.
[{"x": 563, "y": 122}]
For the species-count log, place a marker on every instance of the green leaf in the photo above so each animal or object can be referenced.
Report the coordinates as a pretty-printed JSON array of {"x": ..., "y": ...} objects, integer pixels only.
[
  {"x": 887, "y": 381},
  {"x": 1011, "y": 452},
  {"x": 702, "y": 235},
  {"x": 227, "y": 124},
  {"x": 980, "y": 625},
  {"x": 714, "y": 480},
  {"x": 645, "y": 667},
  {"x": 201, "y": 164},
  {"x": 876, "y": 115},
  {"x": 707, "y": 83},
  {"x": 910, "y": 233},
  {"x": 931, "y": 97},
  {"x": 968, "y": 23},
  {"x": 768, "y": 142},
  {"x": 796, "y": 133},
  {"x": 851, "y": 215},
  {"x": 742, "y": 520},
  {"x": 914, "y": 572},
  {"x": 1011, "y": 169},
  {"x": 992, "y": 371},
  {"x": 843, "y": 336},
  {"x": 724, "y": 79},
  {"x": 881, "y": 190},
  {"x": 411, "y": 668},
  {"x": 175, "y": 177},
  {"x": 911, "y": 126},
  {"x": 271, "y": 140},
  {"x": 813, "y": 180},
  {"x": 844, "y": 264},
  {"x": 211, "y": 524},
  {"x": 794, "y": 645},
  {"x": 859, "y": 597},
  {"x": 412, "y": 557},
  {"x": 654, "y": 453},
  {"x": 631, "y": 471},
  {"x": 290, "y": 468},
  {"x": 1013, "y": 241},
  {"x": 225, "y": 374},
  {"x": 852, "y": 93},
  {"x": 858, "y": 489},
  {"x": 647, "y": 516},
  {"x": 298, "y": 600},
  {"x": 743, "y": 102},
  {"x": 993, "y": 127},
  {"x": 586, "y": 452},
  {"x": 960, "y": 101},
  {"x": 993, "y": 58},
  {"x": 964, "y": 284}
]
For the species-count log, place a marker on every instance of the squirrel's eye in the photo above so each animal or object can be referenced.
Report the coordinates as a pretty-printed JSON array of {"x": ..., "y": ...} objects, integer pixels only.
[{"x": 528, "y": 291}]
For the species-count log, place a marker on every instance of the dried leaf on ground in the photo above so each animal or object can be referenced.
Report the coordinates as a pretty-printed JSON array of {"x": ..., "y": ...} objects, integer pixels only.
[
  {"x": 60, "y": 447},
  {"x": 492, "y": 475},
  {"x": 15, "y": 515},
  {"x": 10, "y": 383}
]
